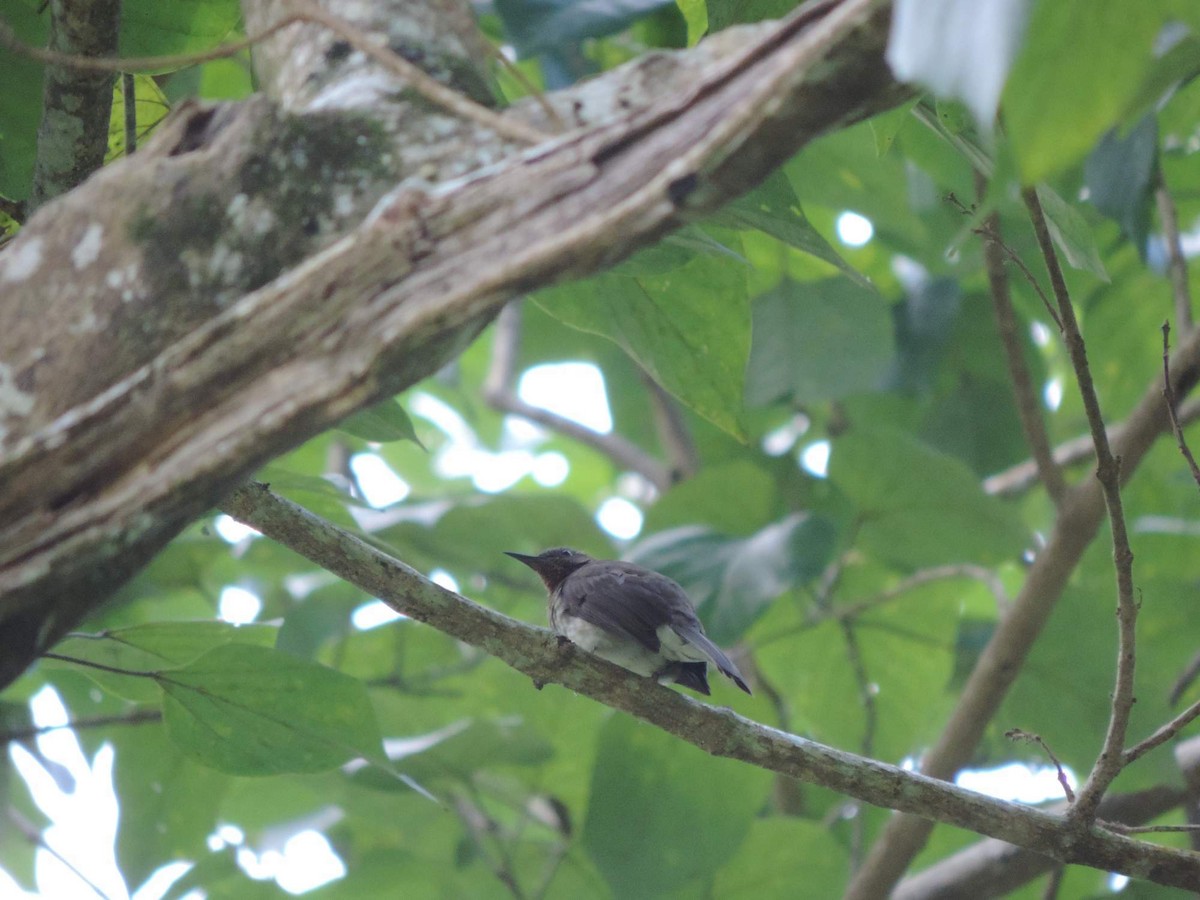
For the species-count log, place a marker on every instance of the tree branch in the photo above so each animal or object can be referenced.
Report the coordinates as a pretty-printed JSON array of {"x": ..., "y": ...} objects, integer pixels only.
[
  {"x": 499, "y": 394},
  {"x": 1108, "y": 473},
  {"x": 721, "y": 732},
  {"x": 76, "y": 105},
  {"x": 1079, "y": 517},
  {"x": 253, "y": 302},
  {"x": 1029, "y": 407}
]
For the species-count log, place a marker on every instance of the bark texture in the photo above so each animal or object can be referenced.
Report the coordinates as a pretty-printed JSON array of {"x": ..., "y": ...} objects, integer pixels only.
[{"x": 261, "y": 270}]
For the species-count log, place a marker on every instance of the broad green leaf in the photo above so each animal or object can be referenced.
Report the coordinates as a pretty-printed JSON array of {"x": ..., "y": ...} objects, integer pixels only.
[
  {"x": 1071, "y": 232},
  {"x": 153, "y": 28},
  {"x": 21, "y": 99},
  {"x": 664, "y": 815},
  {"x": 463, "y": 748},
  {"x": 382, "y": 423},
  {"x": 1082, "y": 63},
  {"x": 149, "y": 649},
  {"x": 918, "y": 507},
  {"x": 779, "y": 855},
  {"x": 772, "y": 208},
  {"x": 688, "y": 328},
  {"x": 252, "y": 711},
  {"x": 1120, "y": 178},
  {"x": 818, "y": 341},
  {"x": 156, "y": 783},
  {"x": 150, "y": 106}
]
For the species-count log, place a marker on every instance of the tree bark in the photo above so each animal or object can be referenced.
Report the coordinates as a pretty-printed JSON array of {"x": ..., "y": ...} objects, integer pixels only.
[{"x": 262, "y": 270}]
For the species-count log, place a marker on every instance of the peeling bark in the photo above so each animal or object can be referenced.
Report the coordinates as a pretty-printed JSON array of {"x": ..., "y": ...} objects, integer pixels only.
[{"x": 259, "y": 271}]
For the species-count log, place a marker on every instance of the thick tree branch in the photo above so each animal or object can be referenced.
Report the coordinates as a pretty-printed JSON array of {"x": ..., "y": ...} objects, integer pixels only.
[
  {"x": 721, "y": 732},
  {"x": 227, "y": 298}
]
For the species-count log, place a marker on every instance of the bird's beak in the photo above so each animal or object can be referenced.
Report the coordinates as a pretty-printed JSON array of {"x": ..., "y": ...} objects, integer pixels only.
[{"x": 530, "y": 561}]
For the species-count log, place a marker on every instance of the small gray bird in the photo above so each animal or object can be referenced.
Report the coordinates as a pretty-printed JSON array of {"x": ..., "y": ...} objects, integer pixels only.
[{"x": 636, "y": 618}]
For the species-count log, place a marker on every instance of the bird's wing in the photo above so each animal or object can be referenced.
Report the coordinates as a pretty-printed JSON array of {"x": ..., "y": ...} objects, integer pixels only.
[{"x": 619, "y": 600}]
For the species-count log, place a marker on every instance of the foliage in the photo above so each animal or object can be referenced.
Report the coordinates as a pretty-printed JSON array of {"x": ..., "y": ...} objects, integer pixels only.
[{"x": 774, "y": 341}]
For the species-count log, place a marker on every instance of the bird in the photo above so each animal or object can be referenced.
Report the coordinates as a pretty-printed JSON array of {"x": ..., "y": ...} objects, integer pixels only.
[{"x": 632, "y": 616}]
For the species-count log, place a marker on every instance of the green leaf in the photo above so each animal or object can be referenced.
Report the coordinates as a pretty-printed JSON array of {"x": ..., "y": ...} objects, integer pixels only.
[
  {"x": 253, "y": 711},
  {"x": 463, "y": 748},
  {"x": 818, "y": 341},
  {"x": 918, "y": 507},
  {"x": 1071, "y": 233},
  {"x": 382, "y": 423},
  {"x": 663, "y": 815},
  {"x": 780, "y": 854},
  {"x": 772, "y": 208},
  {"x": 150, "y": 649},
  {"x": 1120, "y": 178},
  {"x": 153, "y": 28},
  {"x": 1083, "y": 62},
  {"x": 688, "y": 328}
]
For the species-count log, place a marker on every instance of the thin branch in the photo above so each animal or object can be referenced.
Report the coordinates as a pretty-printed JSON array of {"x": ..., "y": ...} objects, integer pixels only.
[
  {"x": 1185, "y": 679},
  {"x": 129, "y": 104},
  {"x": 673, "y": 431},
  {"x": 499, "y": 394},
  {"x": 35, "y": 837},
  {"x": 1029, "y": 407},
  {"x": 1162, "y": 735},
  {"x": 135, "y": 717},
  {"x": 1176, "y": 261},
  {"x": 303, "y": 11},
  {"x": 823, "y": 612},
  {"x": 1152, "y": 829},
  {"x": 1017, "y": 734},
  {"x": 719, "y": 731},
  {"x": 866, "y": 696},
  {"x": 1108, "y": 472},
  {"x": 1024, "y": 475},
  {"x": 1169, "y": 396}
]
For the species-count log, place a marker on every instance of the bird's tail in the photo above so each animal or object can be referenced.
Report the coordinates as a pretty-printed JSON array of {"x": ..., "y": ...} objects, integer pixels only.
[{"x": 700, "y": 641}]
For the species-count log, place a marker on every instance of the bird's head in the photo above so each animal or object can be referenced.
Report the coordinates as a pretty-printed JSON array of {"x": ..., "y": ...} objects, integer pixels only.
[{"x": 553, "y": 565}]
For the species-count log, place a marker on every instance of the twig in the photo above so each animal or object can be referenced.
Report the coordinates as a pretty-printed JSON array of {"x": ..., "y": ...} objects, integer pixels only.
[
  {"x": 1024, "y": 475},
  {"x": 1017, "y": 734},
  {"x": 1185, "y": 679},
  {"x": 498, "y": 392},
  {"x": 135, "y": 717},
  {"x": 303, "y": 11},
  {"x": 1150, "y": 829},
  {"x": 866, "y": 696},
  {"x": 1176, "y": 261},
  {"x": 848, "y": 613},
  {"x": 129, "y": 101},
  {"x": 35, "y": 837},
  {"x": 1028, "y": 406},
  {"x": 1053, "y": 883},
  {"x": 1162, "y": 735},
  {"x": 1108, "y": 472},
  {"x": 673, "y": 432},
  {"x": 1169, "y": 396}
]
